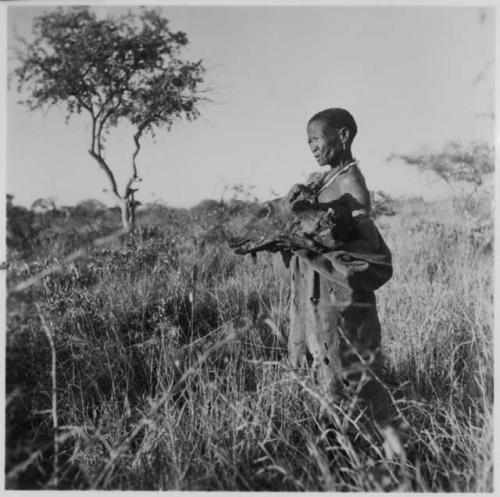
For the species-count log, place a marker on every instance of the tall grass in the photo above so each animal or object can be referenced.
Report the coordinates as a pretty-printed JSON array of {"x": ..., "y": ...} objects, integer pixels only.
[{"x": 160, "y": 387}]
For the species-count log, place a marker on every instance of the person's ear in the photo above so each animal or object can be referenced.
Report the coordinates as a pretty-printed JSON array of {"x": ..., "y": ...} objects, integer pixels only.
[{"x": 344, "y": 135}]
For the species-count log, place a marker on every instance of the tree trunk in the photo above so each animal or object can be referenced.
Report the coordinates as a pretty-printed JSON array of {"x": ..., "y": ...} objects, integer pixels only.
[{"x": 128, "y": 206}]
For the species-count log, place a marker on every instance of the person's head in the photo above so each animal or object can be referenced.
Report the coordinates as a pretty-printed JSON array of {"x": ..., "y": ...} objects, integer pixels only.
[{"x": 330, "y": 134}]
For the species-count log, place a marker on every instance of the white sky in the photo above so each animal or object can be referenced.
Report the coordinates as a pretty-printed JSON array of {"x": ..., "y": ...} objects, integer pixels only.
[{"x": 405, "y": 73}]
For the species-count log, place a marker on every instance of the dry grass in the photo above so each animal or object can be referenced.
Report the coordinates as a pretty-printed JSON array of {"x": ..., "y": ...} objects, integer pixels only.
[{"x": 141, "y": 405}]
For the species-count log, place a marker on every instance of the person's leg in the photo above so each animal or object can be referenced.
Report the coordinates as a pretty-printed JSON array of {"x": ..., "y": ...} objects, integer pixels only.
[{"x": 362, "y": 356}]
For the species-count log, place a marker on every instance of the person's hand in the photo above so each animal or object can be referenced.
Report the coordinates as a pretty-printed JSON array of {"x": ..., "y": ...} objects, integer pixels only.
[
  {"x": 300, "y": 197},
  {"x": 295, "y": 191}
]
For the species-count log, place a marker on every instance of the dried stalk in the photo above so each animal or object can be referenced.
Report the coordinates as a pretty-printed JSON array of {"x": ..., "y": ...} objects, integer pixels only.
[
  {"x": 193, "y": 300},
  {"x": 55, "y": 423}
]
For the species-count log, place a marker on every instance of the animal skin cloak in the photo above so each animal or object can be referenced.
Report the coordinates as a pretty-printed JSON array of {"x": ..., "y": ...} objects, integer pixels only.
[
  {"x": 333, "y": 315},
  {"x": 334, "y": 272}
]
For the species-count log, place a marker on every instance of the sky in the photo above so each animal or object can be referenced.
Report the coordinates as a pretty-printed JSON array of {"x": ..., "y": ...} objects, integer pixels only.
[{"x": 407, "y": 74}]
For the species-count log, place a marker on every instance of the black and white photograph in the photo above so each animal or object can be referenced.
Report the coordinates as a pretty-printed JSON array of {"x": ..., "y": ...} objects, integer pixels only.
[{"x": 248, "y": 247}]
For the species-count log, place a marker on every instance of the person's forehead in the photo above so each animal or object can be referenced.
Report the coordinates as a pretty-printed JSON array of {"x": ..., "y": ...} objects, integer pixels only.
[{"x": 318, "y": 126}]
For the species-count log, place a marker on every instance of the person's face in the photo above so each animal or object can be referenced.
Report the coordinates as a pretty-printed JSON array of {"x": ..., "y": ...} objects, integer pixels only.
[{"x": 324, "y": 142}]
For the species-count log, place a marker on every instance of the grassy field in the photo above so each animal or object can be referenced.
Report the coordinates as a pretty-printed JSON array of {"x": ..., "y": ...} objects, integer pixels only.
[{"x": 171, "y": 362}]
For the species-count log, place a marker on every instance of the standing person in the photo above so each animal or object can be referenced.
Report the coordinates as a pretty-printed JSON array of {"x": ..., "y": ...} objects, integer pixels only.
[{"x": 333, "y": 315}]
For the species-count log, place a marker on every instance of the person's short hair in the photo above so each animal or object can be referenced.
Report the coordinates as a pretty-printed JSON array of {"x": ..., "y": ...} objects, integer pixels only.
[{"x": 337, "y": 118}]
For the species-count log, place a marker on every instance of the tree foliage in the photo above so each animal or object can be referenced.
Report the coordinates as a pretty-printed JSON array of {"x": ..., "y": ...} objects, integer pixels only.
[
  {"x": 115, "y": 69},
  {"x": 456, "y": 162}
]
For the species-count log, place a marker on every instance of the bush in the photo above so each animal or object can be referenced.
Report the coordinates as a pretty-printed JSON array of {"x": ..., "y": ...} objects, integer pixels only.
[{"x": 457, "y": 162}]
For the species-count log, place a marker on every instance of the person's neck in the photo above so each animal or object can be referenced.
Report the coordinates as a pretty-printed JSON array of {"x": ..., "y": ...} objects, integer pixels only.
[{"x": 344, "y": 158}]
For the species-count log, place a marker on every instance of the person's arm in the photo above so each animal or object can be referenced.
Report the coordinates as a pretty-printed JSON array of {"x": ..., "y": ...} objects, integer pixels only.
[
  {"x": 356, "y": 192},
  {"x": 367, "y": 238}
]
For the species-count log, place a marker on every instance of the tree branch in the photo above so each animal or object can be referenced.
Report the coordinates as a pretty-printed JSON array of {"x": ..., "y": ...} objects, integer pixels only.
[
  {"x": 104, "y": 166},
  {"x": 137, "y": 138},
  {"x": 84, "y": 104},
  {"x": 96, "y": 141},
  {"x": 97, "y": 129},
  {"x": 92, "y": 143},
  {"x": 98, "y": 137}
]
